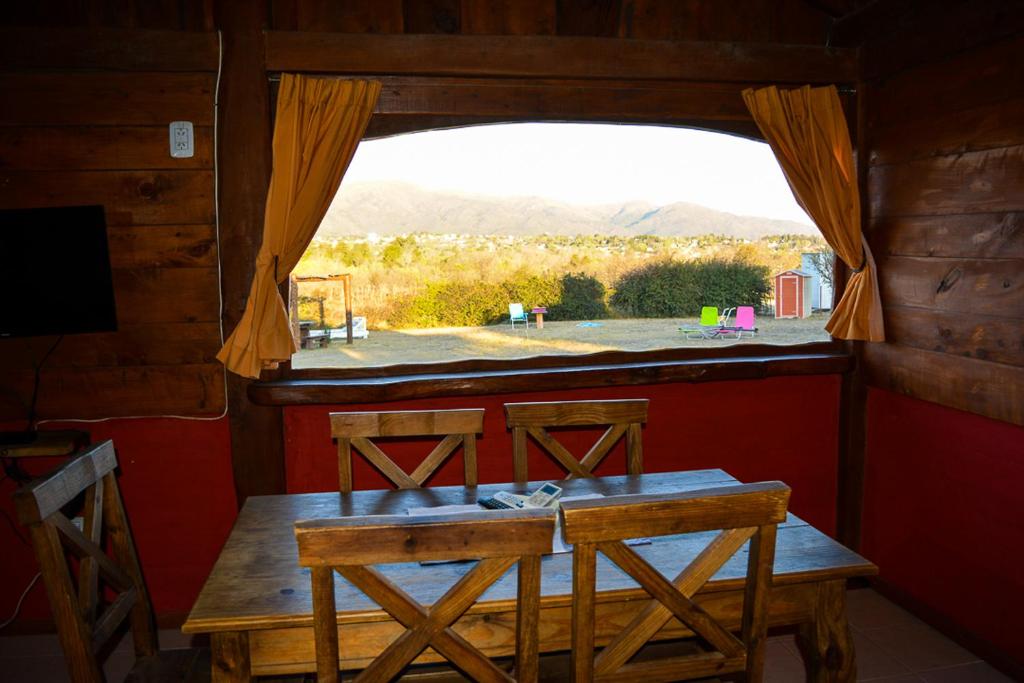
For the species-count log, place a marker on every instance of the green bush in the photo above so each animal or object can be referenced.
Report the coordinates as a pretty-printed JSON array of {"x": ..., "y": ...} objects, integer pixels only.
[
  {"x": 664, "y": 289},
  {"x": 674, "y": 289},
  {"x": 530, "y": 291},
  {"x": 461, "y": 303},
  {"x": 582, "y": 298}
]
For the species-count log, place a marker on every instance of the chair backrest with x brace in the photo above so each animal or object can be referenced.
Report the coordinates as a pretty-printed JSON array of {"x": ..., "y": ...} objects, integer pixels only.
[
  {"x": 84, "y": 622},
  {"x": 498, "y": 540},
  {"x": 743, "y": 512},
  {"x": 624, "y": 418},
  {"x": 355, "y": 430}
]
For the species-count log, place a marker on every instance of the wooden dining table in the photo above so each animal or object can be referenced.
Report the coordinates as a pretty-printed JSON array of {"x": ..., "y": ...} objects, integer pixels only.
[{"x": 256, "y": 604}]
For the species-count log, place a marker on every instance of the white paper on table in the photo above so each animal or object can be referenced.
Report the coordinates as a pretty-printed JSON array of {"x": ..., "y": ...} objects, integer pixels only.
[{"x": 444, "y": 510}]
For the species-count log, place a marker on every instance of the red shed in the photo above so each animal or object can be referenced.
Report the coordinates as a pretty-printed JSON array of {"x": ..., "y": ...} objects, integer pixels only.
[{"x": 793, "y": 294}]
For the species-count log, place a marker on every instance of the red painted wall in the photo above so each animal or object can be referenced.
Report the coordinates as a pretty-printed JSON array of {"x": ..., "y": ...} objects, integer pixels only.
[
  {"x": 176, "y": 478},
  {"x": 780, "y": 428},
  {"x": 944, "y": 513},
  {"x": 176, "y": 481}
]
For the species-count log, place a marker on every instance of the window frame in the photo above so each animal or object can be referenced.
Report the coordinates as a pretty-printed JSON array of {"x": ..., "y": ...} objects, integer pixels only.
[{"x": 291, "y": 386}]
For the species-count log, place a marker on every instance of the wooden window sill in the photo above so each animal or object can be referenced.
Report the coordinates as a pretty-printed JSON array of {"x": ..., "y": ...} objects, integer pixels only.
[{"x": 465, "y": 378}]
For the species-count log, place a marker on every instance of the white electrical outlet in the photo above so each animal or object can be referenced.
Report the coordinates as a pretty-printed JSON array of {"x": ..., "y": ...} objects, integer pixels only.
[{"x": 182, "y": 139}]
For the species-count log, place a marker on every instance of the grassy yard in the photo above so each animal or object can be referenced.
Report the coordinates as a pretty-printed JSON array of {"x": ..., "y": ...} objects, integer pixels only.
[{"x": 557, "y": 338}]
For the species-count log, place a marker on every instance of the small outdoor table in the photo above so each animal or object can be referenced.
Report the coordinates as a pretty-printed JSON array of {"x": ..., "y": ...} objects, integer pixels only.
[{"x": 539, "y": 315}]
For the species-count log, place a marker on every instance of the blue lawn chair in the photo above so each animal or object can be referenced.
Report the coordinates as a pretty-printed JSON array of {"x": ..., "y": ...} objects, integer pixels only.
[{"x": 516, "y": 314}]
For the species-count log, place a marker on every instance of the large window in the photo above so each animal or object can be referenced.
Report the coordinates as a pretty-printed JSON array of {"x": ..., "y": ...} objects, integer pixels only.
[{"x": 602, "y": 237}]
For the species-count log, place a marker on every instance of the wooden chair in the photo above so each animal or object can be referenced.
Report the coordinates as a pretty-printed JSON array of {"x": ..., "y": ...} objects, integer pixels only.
[
  {"x": 624, "y": 418},
  {"x": 498, "y": 541},
  {"x": 354, "y": 430},
  {"x": 84, "y": 623},
  {"x": 747, "y": 512}
]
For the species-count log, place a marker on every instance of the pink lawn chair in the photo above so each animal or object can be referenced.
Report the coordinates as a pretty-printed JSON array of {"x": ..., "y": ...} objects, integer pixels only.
[{"x": 744, "y": 322}]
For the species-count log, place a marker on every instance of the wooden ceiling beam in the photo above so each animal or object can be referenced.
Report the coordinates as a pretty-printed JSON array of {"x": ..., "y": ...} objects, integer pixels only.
[
  {"x": 545, "y": 57},
  {"x": 565, "y": 99}
]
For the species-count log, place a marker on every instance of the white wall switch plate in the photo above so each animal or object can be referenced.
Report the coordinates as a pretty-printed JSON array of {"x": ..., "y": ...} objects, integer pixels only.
[{"x": 182, "y": 139}]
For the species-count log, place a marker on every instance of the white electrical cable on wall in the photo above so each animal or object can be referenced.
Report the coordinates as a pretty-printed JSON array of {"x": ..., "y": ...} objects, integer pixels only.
[
  {"x": 220, "y": 287},
  {"x": 17, "y": 608}
]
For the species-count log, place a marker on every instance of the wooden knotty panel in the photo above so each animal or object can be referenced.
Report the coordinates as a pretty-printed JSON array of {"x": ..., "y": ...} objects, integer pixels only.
[
  {"x": 138, "y": 344},
  {"x": 974, "y": 182},
  {"x": 930, "y": 31},
  {"x": 657, "y": 20},
  {"x": 162, "y": 246},
  {"x": 41, "y": 148},
  {"x": 946, "y": 191},
  {"x": 41, "y": 99},
  {"x": 980, "y": 235},
  {"x": 991, "y": 389},
  {"x": 130, "y": 197},
  {"x": 193, "y": 15},
  {"x": 84, "y": 121},
  {"x": 108, "y": 48},
  {"x": 592, "y": 18},
  {"x": 157, "y": 295},
  {"x": 518, "y": 18},
  {"x": 351, "y": 16},
  {"x": 946, "y": 133},
  {"x": 990, "y": 286},
  {"x": 989, "y": 74},
  {"x": 144, "y": 390},
  {"x": 991, "y": 338},
  {"x": 428, "y": 16}
]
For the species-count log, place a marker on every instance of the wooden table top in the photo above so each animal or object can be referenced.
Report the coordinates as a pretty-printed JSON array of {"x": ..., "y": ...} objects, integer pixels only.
[{"x": 257, "y": 583}]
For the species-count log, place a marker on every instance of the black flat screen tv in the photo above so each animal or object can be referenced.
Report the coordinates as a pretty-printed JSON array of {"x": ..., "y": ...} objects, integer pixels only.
[{"x": 55, "y": 272}]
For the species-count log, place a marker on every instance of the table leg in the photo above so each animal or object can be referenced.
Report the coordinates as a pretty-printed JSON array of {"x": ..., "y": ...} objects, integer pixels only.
[
  {"x": 826, "y": 642},
  {"x": 230, "y": 657}
]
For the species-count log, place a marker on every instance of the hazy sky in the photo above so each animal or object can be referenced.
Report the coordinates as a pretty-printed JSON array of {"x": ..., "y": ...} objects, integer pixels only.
[{"x": 587, "y": 164}]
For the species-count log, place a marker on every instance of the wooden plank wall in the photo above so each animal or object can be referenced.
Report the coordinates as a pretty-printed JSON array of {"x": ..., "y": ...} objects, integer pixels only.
[
  {"x": 946, "y": 188},
  {"x": 84, "y": 121},
  {"x": 90, "y": 87}
]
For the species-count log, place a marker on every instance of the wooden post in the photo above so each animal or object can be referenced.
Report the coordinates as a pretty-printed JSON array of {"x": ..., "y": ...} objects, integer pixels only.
[
  {"x": 347, "y": 280},
  {"x": 853, "y": 392},
  {"x": 257, "y": 432},
  {"x": 293, "y": 309}
]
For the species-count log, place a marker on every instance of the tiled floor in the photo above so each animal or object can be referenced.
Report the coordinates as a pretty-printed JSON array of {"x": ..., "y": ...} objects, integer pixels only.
[{"x": 892, "y": 646}]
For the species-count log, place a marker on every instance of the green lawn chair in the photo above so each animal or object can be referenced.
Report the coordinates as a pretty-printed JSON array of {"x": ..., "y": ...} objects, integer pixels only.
[{"x": 709, "y": 327}]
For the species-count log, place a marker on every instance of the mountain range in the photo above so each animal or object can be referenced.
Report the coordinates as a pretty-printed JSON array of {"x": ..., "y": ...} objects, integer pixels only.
[{"x": 389, "y": 208}]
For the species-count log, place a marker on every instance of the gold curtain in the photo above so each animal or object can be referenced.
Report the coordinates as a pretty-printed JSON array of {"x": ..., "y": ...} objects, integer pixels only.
[
  {"x": 807, "y": 131},
  {"x": 318, "y": 126}
]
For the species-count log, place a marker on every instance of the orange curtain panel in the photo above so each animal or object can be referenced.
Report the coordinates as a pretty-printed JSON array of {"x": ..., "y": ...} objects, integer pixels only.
[
  {"x": 807, "y": 131},
  {"x": 318, "y": 126}
]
